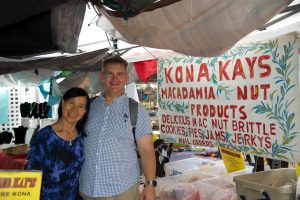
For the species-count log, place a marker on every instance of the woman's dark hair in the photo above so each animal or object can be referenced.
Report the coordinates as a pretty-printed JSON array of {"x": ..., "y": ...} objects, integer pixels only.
[{"x": 76, "y": 92}]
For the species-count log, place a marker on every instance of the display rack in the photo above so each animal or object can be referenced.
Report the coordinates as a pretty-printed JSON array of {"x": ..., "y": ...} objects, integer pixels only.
[{"x": 16, "y": 96}]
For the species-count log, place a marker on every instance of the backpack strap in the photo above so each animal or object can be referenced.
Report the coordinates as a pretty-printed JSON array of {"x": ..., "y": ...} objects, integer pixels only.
[
  {"x": 92, "y": 99},
  {"x": 133, "y": 109}
]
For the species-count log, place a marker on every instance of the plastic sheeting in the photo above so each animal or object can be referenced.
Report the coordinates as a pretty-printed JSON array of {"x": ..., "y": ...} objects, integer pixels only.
[
  {"x": 90, "y": 61},
  {"x": 36, "y": 27},
  {"x": 197, "y": 28}
]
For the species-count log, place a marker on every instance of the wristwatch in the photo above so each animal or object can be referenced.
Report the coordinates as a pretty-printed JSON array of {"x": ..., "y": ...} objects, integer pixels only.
[{"x": 151, "y": 182}]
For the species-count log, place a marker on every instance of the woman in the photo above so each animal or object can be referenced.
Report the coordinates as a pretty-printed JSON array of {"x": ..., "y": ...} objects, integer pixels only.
[{"x": 57, "y": 150}]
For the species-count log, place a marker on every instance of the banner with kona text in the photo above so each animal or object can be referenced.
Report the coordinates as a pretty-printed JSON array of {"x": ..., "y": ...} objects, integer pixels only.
[
  {"x": 20, "y": 185},
  {"x": 247, "y": 99}
]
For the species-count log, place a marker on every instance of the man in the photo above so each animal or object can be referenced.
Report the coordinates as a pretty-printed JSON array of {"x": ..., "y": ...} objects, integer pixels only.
[{"x": 111, "y": 170}]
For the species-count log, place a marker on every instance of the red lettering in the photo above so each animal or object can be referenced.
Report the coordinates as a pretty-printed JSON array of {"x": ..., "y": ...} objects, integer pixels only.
[
  {"x": 254, "y": 92},
  {"x": 238, "y": 70},
  {"x": 163, "y": 93},
  {"x": 247, "y": 139},
  {"x": 251, "y": 65},
  {"x": 203, "y": 72},
  {"x": 268, "y": 142},
  {"x": 179, "y": 74},
  {"x": 222, "y": 70},
  {"x": 272, "y": 129},
  {"x": 189, "y": 74},
  {"x": 168, "y": 74},
  {"x": 242, "y": 112},
  {"x": 264, "y": 87},
  {"x": 264, "y": 66}
]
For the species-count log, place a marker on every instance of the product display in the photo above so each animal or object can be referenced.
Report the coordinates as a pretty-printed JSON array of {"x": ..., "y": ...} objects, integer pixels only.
[
  {"x": 24, "y": 109},
  {"x": 5, "y": 137},
  {"x": 34, "y": 110},
  {"x": 205, "y": 182},
  {"x": 20, "y": 133},
  {"x": 194, "y": 163},
  {"x": 180, "y": 187},
  {"x": 43, "y": 110}
]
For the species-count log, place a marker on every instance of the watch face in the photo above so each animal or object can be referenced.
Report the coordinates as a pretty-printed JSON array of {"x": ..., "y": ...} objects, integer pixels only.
[{"x": 154, "y": 183}]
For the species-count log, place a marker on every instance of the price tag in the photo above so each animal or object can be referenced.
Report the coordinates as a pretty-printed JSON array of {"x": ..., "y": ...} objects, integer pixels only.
[
  {"x": 233, "y": 160},
  {"x": 297, "y": 169}
]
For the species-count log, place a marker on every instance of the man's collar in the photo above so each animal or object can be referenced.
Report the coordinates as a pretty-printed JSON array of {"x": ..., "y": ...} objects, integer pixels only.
[{"x": 119, "y": 98}]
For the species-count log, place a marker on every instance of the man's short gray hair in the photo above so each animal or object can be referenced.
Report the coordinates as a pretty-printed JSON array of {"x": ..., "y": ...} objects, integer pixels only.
[{"x": 114, "y": 60}]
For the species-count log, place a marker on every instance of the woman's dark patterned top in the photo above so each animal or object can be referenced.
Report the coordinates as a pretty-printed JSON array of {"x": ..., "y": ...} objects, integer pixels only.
[{"x": 60, "y": 161}]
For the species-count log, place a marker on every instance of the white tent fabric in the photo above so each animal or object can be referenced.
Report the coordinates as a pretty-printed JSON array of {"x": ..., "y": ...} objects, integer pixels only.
[
  {"x": 273, "y": 32},
  {"x": 26, "y": 78},
  {"x": 132, "y": 91},
  {"x": 198, "y": 28}
]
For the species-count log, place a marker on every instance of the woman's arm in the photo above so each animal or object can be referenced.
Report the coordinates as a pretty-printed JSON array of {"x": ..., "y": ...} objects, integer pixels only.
[{"x": 36, "y": 153}]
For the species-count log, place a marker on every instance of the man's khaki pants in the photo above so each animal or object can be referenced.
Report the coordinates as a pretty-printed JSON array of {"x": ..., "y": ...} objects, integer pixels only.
[{"x": 131, "y": 194}]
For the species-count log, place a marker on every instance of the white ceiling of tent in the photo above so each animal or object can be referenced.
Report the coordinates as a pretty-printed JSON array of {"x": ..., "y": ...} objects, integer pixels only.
[
  {"x": 289, "y": 24},
  {"x": 197, "y": 28},
  {"x": 92, "y": 37}
]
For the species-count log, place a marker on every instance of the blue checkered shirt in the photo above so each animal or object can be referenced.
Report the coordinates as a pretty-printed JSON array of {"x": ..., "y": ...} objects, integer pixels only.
[{"x": 111, "y": 165}]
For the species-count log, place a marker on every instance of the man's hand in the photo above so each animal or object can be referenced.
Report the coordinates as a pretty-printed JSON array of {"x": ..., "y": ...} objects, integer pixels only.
[{"x": 148, "y": 193}]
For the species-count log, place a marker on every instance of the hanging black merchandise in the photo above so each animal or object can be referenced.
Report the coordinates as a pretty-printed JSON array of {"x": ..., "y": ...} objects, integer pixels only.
[
  {"x": 43, "y": 110},
  {"x": 24, "y": 109},
  {"x": 31, "y": 109},
  {"x": 5, "y": 137},
  {"x": 35, "y": 110},
  {"x": 20, "y": 133}
]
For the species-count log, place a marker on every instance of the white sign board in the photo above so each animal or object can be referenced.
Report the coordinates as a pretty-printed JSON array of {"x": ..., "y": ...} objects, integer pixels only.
[{"x": 247, "y": 99}]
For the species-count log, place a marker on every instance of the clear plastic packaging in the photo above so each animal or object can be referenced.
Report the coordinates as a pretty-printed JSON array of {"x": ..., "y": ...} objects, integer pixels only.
[
  {"x": 182, "y": 166},
  {"x": 195, "y": 185},
  {"x": 220, "y": 187},
  {"x": 180, "y": 187}
]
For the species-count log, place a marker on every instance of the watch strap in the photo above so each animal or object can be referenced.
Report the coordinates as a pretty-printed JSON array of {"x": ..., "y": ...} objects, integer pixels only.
[{"x": 151, "y": 182}]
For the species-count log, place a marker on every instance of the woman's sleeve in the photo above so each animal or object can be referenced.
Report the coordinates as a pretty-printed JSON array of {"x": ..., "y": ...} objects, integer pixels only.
[{"x": 36, "y": 154}]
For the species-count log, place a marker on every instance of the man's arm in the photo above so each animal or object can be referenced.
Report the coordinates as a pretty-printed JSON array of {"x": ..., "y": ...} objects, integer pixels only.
[{"x": 146, "y": 150}]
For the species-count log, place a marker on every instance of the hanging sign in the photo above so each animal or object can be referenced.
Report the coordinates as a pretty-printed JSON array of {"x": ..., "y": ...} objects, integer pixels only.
[
  {"x": 247, "y": 99},
  {"x": 20, "y": 185}
]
